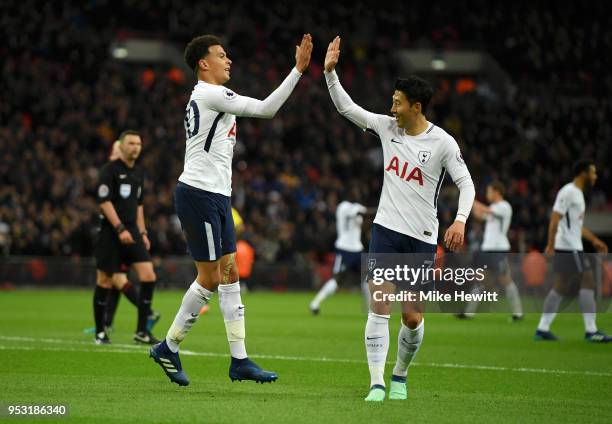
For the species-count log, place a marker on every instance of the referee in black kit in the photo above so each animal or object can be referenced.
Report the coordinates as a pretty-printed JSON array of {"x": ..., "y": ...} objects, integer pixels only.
[{"x": 123, "y": 236}]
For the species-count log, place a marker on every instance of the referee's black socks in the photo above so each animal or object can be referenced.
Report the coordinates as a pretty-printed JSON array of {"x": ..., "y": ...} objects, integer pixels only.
[
  {"x": 144, "y": 305},
  {"x": 99, "y": 304}
]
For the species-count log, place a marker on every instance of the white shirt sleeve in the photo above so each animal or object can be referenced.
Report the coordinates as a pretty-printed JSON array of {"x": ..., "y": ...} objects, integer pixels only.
[
  {"x": 349, "y": 109},
  {"x": 225, "y": 100},
  {"x": 498, "y": 210},
  {"x": 453, "y": 161},
  {"x": 359, "y": 209},
  {"x": 562, "y": 202}
]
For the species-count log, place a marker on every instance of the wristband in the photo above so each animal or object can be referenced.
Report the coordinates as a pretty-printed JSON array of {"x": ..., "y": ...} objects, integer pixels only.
[
  {"x": 144, "y": 233},
  {"x": 120, "y": 228}
]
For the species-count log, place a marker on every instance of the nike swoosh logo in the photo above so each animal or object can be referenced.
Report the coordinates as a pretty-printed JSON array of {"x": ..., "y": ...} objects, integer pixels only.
[
  {"x": 372, "y": 338},
  {"x": 395, "y": 141},
  {"x": 195, "y": 315},
  {"x": 240, "y": 307}
]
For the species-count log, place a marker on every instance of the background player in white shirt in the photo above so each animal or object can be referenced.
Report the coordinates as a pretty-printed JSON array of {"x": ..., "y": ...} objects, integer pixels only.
[
  {"x": 495, "y": 247},
  {"x": 202, "y": 200},
  {"x": 347, "y": 264},
  {"x": 565, "y": 234},
  {"x": 417, "y": 155}
]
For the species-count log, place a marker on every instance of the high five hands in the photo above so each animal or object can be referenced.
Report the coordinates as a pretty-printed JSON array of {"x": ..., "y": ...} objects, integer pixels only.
[
  {"x": 333, "y": 54},
  {"x": 302, "y": 53}
]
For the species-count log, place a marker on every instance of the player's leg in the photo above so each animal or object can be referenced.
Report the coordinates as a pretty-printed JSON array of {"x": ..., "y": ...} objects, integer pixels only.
[
  {"x": 147, "y": 278},
  {"x": 103, "y": 287},
  {"x": 377, "y": 338},
  {"x": 512, "y": 293},
  {"x": 409, "y": 341},
  {"x": 377, "y": 326},
  {"x": 412, "y": 329},
  {"x": 232, "y": 308},
  {"x": 200, "y": 221},
  {"x": 564, "y": 272},
  {"x": 586, "y": 300},
  {"x": 330, "y": 286},
  {"x": 550, "y": 307}
]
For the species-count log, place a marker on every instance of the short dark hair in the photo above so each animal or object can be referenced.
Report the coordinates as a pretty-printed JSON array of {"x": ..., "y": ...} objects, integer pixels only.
[
  {"x": 126, "y": 133},
  {"x": 581, "y": 166},
  {"x": 416, "y": 90},
  {"x": 198, "y": 49},
  {"x": 499, "y": 187}
]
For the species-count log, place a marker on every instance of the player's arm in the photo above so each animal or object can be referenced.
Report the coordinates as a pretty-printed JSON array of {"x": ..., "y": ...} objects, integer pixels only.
[
  {"x": 343, "y": 102},
  {"x": 226, "y": 101},
  {"x": 457, "y": 169},
  {"x": 555, "y": 217},
  {"x": 597, "y": 243},
  {"x": 560, "y": 208},
  {"x": 480, "y": 210}
]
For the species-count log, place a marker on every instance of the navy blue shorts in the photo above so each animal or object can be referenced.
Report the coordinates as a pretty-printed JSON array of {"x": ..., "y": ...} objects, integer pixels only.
[
  {"x": 389, "y": 249},
  {"x": 385, "y": 240},
  {"x": 347, "y": 261},
  {"x": 570, "y": 262},
  {"x": 494, "y": 261},
  {"x": 207, "y": 222}
]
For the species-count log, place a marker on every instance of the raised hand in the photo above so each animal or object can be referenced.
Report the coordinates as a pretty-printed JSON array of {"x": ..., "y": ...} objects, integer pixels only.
[
  {"x": 333, "y": 54},
  {"x": 302, "y": 53}
]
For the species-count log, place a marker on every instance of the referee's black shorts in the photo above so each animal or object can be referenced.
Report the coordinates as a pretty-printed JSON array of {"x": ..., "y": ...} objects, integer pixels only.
[{"x": 111, "y": 254}]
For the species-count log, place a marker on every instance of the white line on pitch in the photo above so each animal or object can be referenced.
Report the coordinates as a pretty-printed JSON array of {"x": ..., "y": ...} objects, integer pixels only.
[{"x": 126, "y": 348}]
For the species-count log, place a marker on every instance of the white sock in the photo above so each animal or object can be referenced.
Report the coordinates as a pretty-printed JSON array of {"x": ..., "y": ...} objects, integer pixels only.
[
  {"x": 472, "y": 306},
  {"x": 195, "y": 297},
  {"x": 514, "y": 298},
  {"x": 377, "y": 346},
  {"x": 365, "y": 291},
  {"x": 587, "y": 306},
  {"x": 327, "y": 290},
  {"x": 232, "y": 309},
  {"x": 551, "y": 305},
  {"x": 408, "y": 344}
]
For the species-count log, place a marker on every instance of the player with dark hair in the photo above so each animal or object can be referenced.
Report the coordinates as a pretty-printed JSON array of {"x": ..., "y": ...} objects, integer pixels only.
[
  {"x": 203, "y": 196},
  {"x": 417, "y": 154},
  {"x": 123, "y": 236},
  {"x": 565, "y": 234}
]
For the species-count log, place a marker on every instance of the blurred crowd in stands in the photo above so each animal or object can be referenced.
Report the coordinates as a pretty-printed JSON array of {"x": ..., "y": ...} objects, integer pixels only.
[{"x": 65, "y": 100}]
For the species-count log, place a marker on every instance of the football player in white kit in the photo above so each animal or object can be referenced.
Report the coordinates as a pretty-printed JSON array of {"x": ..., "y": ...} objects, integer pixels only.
[
  {"x": 348, "y": 245},
  {"x": 417, "y": 154},
  {"x": 565, "y": 234},
  {"x": 202, "y": 200},
  {"x": 495, "y": 247}
]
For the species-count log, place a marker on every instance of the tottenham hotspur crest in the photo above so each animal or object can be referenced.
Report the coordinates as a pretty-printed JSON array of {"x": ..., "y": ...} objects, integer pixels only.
[{"x": 424, "y": 156}]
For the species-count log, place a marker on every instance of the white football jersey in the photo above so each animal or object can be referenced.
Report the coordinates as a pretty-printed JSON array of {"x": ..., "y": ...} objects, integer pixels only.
[
  {"x": 210, "y": 124},
  {"x": 211, "y": 136},
  {"x": 569, "y": 203},
  {"x": 348, "y": 226},
  {"x": 414, "y": 168},
  {"x": 496, "y": 227}
]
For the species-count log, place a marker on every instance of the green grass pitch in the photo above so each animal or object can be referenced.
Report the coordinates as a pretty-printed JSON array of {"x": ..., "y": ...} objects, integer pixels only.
[{"x": 484, "y": 370}]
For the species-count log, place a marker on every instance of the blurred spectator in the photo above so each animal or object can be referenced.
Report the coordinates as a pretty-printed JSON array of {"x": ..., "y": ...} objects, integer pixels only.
[{"x": 66, "y": 101}]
